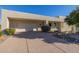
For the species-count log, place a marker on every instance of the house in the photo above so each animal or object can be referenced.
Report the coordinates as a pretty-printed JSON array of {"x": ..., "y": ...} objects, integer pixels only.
[{"x": 30, "y": 22}]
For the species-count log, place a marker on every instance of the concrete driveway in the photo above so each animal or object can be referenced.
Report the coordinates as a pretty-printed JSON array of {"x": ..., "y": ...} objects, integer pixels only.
[{"x": 36, "y": 42}]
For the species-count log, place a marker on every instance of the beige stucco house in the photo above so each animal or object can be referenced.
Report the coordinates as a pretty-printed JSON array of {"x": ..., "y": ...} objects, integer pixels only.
[{"x": 30, "y": 22}]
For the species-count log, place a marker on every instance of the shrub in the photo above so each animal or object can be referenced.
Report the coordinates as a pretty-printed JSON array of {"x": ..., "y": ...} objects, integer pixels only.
[
  {"x": 1, "y": 33},
  {"x": 45, "y": 28},
  {"x": 0, "y": 27},
  {"x": 10, "y": 31}
]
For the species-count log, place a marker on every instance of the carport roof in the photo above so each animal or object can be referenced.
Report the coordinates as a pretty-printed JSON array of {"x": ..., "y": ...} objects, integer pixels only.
[{"x": 22, "y": 15}]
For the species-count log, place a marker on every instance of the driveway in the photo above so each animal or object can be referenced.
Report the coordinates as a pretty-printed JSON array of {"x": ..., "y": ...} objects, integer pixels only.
[{"x": 36, "y": 42}]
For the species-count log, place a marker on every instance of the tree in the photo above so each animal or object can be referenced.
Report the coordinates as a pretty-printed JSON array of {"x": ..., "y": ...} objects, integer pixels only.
[{"x": 73, "y": 18}]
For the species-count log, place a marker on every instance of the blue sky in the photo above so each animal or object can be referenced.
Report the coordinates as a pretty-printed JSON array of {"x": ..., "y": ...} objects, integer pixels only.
[{"x": 48, "y": 10}]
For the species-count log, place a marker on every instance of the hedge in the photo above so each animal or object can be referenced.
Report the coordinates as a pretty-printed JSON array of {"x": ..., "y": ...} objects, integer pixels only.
[{"x": 10, "y": 31}]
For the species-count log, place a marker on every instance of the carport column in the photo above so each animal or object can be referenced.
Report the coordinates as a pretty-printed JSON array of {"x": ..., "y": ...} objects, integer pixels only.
[
  {"x": 47, "y": 22},
  {"x": 7, "y": 22},
  {"x": 60, "y": 26}
]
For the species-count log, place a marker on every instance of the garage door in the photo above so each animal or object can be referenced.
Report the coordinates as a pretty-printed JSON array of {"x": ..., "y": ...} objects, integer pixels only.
[{"x": 23, "y": 26}]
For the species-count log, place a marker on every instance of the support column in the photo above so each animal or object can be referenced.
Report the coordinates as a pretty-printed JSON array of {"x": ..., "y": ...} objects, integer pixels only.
[
  {"x": 59, "y": 25},
  {"x": 7, "y": 25},
  {"x": 47, "y": 22}
]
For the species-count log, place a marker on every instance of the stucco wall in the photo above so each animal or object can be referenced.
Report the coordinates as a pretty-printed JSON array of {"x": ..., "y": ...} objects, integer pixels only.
[
  {"x": 4, "y": 21},
  {"x": 65, "y": 27}
]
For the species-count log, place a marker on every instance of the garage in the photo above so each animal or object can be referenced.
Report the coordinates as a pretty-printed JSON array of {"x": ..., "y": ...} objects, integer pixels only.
[{"x": 22, "y": 25}]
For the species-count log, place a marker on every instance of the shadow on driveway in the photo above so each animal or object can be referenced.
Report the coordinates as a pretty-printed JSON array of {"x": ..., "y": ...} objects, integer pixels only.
[{"x": 47, "y": 37}]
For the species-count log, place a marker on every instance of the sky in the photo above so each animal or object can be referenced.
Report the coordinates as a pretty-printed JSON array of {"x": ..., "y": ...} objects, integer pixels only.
[{"x": 47, "y": 10}]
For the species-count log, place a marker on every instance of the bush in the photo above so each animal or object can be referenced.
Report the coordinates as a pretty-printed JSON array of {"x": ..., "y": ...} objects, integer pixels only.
[
  {"x": 1, "y": 33},
  {"x": 10, "y": 31},
  {"x": 45, "y": 28},
  {"x": 0, "y": 27}
]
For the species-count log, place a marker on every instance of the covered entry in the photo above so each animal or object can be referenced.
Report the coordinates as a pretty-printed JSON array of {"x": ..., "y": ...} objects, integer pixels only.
[{"x": 22, "y": 25}]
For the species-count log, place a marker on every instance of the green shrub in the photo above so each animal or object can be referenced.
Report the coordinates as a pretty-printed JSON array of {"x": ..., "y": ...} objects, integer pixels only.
[
  {"x": 0, "y": 27},
  {"x": 1, "y": 33},
  {"x": 10, "y": 31}
]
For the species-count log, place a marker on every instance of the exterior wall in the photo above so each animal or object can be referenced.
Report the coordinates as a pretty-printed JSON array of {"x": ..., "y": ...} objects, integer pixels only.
[
  {"x": 65, "y": 27},
  {"x": 4, "y": 21}
]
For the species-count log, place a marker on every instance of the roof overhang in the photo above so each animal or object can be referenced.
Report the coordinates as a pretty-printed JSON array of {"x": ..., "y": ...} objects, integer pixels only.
[{"x": 22, "y": 15}]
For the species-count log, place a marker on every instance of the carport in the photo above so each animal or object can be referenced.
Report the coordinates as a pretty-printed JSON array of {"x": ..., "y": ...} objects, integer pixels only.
[{"x": 22, "y": 25}]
